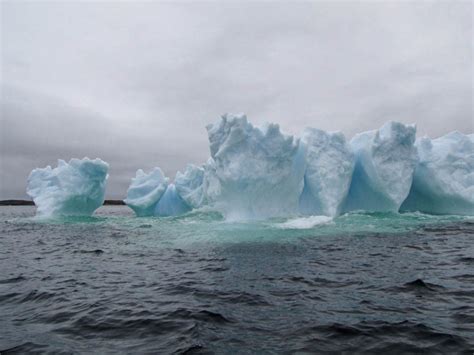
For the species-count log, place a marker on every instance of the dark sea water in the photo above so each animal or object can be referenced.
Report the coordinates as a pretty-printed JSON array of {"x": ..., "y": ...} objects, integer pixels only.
[{"x": 364, "y": 283}]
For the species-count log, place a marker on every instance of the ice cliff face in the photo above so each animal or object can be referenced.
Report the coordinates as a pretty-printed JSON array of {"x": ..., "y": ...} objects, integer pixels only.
[
  {"x": 76, "y": 188},
  {"x": 444, "y": 177},
  {"x": 211, "y": 184},
  {"x": 385, "y": 161},
  {"x": 329, "y": 167},
  {"x": 259, "y": 170},
  {"x": 190, "y": 185}
]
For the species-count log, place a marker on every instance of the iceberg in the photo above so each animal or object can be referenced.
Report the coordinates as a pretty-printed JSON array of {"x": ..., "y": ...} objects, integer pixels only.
[
  {"x": 444, "y": 177},
  {"x": 329, "y": 167},
  {"x": 385, "y": 161},
  {"x": 76, "y": 188},
  {"x": 152, "y": 195},
  {"x": 145, "y": 191},
  {"x": 259, "y": 170}
]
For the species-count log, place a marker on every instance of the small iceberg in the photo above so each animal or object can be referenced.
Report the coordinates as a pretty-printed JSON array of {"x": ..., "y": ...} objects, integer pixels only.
[
  {"x": 76, "y": 188},
  {"x": 145, "y": 191}
]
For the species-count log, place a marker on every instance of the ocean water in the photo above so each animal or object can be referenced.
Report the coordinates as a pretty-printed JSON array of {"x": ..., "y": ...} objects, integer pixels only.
[{"x": 363, "y": 283}]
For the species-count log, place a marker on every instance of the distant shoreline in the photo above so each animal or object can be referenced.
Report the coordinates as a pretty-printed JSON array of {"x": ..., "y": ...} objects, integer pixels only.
[{"x": 31, "y": 203}]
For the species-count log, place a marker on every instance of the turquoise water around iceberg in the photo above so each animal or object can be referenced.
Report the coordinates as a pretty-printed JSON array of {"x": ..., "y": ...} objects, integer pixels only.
[
  {"x": 210, "y": 226},
  {"x": 361, "y": 283},
  {"x": 201, "y": 227}
]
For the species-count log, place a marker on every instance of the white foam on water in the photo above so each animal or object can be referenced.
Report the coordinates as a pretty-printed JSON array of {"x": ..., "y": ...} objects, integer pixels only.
[{"x": 305, "y": 222}]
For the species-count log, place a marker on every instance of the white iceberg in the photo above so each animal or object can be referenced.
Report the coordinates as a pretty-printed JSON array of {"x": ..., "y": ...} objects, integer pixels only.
[
  {"x": 385, "y": 161},
  {"x": 152, "y": 194},
  {"x": 256, "y": 173},
  {"x": 145, "y": 191},
  {"x": 329, "y": 167},
  {"x": 260, "y": 170},
  {"x": 76, "y": 188},
  {"x": 444, "y": 177}
]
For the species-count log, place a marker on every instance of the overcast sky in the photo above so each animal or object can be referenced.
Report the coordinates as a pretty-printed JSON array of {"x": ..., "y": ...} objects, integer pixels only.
[{"x": 136, "y": 83}]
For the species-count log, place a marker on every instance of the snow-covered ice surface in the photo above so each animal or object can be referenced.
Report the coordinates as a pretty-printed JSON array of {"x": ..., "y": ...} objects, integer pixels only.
[
  {"x": 145, "y": 191},
  {"x": 329, "y": 167},
  {"x": 259, "y": 170},
  {"x": 444, "y": 177},
  {"x": 76, "y": 188},
  {"x": 385, "y": 161}
]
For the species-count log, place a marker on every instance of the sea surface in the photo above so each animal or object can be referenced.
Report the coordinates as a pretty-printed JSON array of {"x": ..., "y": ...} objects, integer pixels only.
[{"x": 196, "y": 284}]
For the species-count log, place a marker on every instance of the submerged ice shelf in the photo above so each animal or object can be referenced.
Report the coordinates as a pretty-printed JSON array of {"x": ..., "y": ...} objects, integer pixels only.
[{"x": 260, "y": 172}]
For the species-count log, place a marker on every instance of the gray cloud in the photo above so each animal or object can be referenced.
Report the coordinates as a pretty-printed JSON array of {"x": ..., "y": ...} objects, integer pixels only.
[{"x": 136, "y": 83}]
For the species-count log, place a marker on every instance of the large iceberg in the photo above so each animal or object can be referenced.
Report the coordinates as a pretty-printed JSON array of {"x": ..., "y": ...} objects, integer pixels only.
[
  {"x": 329, "y": 167},
  {"x": 145, "y": 191},
  {"x": 76, "y": 188},
  {"x": 444, "y": 177},
  {"x": 259, "y": 170},
  {"x": 385, "y": 161}
]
